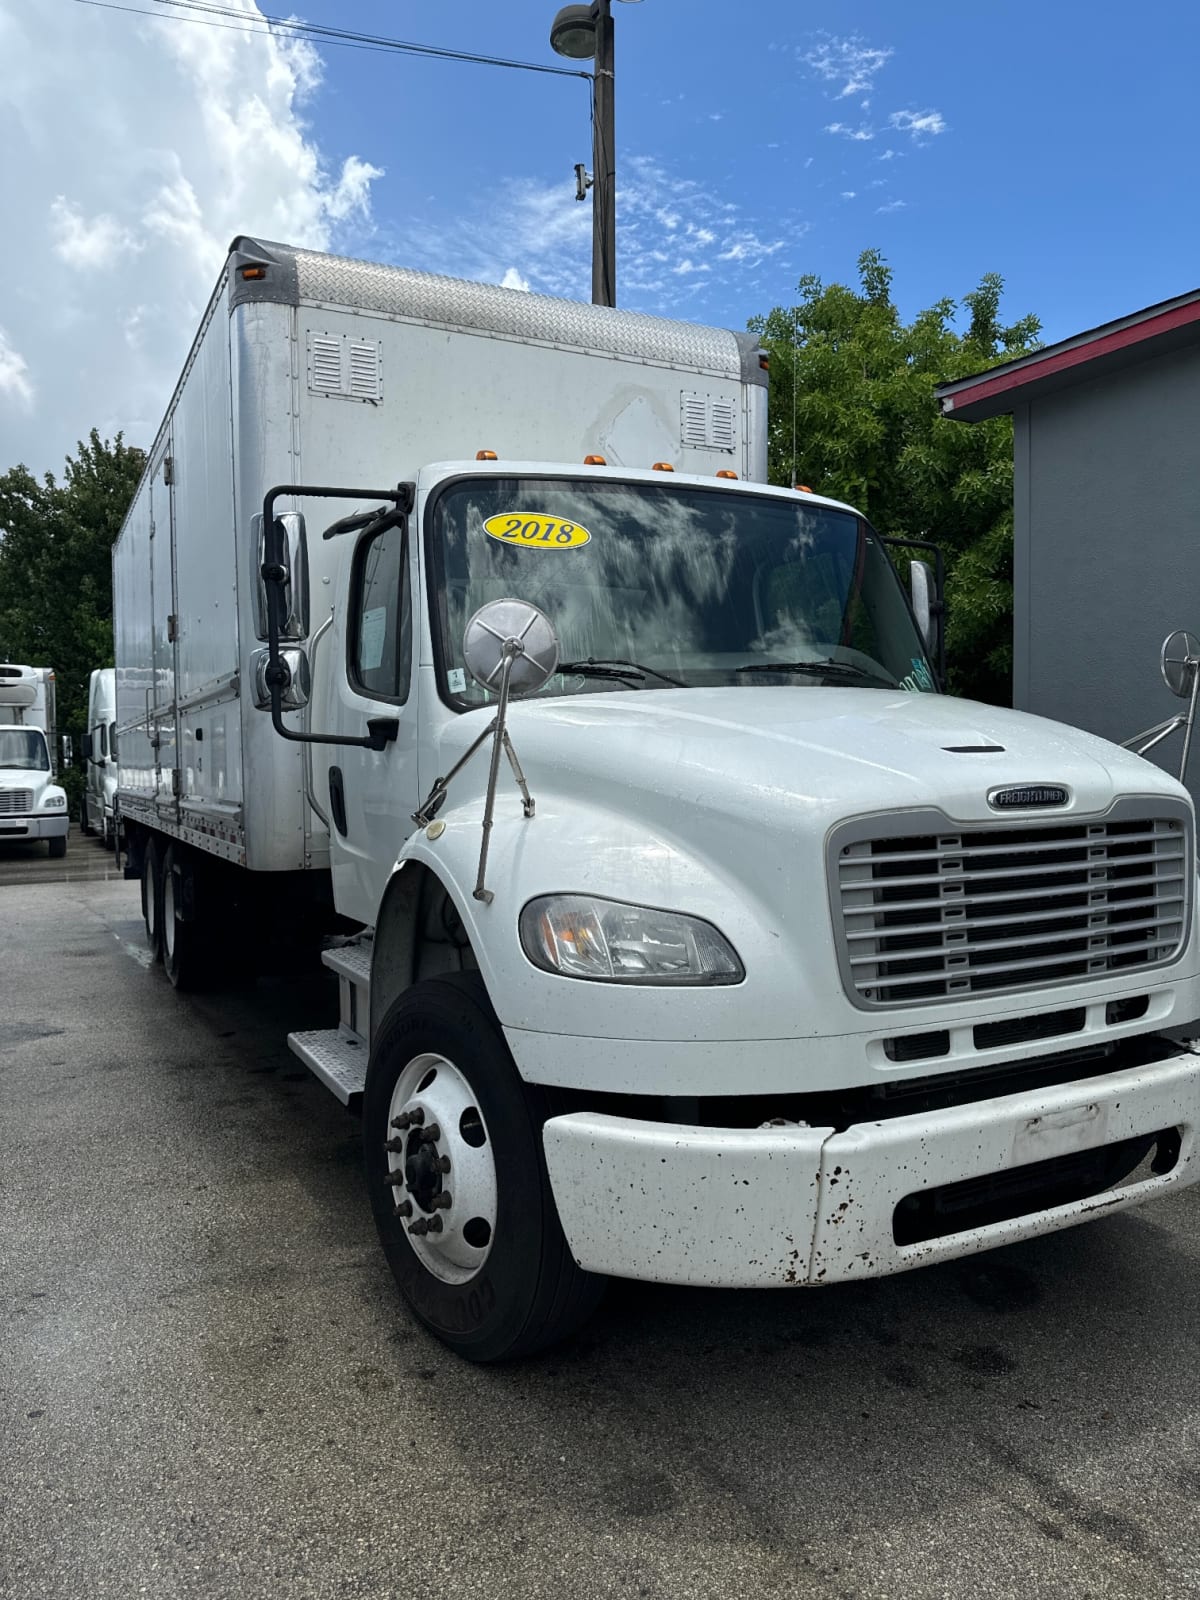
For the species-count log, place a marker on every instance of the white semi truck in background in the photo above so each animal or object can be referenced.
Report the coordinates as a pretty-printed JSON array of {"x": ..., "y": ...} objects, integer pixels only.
[
  {"x": 98, "y": 807},
  {"x": 684, "y": 931},
  {"x": 32, "y": 805}
]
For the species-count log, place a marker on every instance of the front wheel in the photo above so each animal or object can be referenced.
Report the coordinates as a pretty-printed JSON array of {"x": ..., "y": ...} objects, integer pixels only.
[
  {"x": 453, "y": 1152},
  {"x": 58, "y": 847}
]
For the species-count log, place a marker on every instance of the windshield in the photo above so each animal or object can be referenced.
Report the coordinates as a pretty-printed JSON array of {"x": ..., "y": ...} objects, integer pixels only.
[
  {"x": 652, "y": 587},
  {"x": 24, "y": 748}
]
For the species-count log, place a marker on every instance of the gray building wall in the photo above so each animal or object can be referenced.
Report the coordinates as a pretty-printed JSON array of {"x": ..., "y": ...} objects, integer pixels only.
[{"x": 1107, "y": 547}]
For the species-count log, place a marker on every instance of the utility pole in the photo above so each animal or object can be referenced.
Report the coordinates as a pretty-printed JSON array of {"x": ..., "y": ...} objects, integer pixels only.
[{"x": 581, "y": 33}]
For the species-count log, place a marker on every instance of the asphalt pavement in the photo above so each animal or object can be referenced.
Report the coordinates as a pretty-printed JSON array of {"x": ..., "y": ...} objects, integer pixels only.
[{"x": 209, "y": 1388}]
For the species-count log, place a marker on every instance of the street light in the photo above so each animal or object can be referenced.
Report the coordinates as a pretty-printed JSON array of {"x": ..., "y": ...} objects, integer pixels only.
[{"x": 581, "y": 32}]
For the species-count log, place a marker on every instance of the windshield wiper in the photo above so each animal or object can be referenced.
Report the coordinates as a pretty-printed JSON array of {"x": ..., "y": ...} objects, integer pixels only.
[
  {"x": 823, "y": 669},
  {"x": 605, "y": 668}
]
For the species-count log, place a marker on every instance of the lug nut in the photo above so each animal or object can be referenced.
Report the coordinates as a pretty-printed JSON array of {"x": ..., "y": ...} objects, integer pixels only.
[
  {"x": 395, "y": 1178},
  {"x": 434, "y": 1225},
  {"x": 409, "y": 1119},
  {"x": 404, "y": 1209},
  {"x": 442, "y": 1163},
  {"x": 443, "y": 1201},
  {"x": 431, "y": 1134},
  {"x": 419, "y": 1227},
  {"x": 396, "y": 1146}
]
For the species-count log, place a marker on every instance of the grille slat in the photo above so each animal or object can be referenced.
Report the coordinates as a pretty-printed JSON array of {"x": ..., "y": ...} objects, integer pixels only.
[
  {"x": 15, "y": 802},
  {"x": 943, "y": 914}
]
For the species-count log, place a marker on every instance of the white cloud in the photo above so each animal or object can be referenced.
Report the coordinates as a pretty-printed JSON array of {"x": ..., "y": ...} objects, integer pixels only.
[
  {"x": 888, "y": 155},
  {"x": 921, "y": 124},
  {"x": 848, "y": 194},
  {"x": 678, "y": 241},
  {"x": 892, "y": 205},
  {"x": 860, "y": 135},
  {"x": 141, "y": 138},
  {"x": 512, "y": 279},
  {"x": 14, "y": 374},
  {"x": 86, "y": 245},
  {"x": 850, "y": 62}
]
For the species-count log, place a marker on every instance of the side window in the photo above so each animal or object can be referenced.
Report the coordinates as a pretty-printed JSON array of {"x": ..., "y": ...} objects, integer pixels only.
[{"x": 381, "y": 617}]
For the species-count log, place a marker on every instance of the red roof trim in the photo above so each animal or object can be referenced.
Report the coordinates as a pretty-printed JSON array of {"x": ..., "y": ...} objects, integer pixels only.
[{"x": 1064, "y": 360}]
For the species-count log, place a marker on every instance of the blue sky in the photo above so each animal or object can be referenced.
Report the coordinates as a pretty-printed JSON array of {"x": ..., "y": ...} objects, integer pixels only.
[
  {"x": 1067, "y": 160},
  {"x": 1054, "y": 143}
]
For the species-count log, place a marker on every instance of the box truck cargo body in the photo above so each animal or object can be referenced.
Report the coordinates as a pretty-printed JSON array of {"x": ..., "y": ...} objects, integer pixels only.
[
  {"x": 686, "y": 932},
  {"x": 98, "y": 809}
]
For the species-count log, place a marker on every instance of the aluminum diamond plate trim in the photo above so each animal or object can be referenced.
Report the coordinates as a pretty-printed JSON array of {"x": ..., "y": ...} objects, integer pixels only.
[
  {"x": 352, "y": 961},
  {"x": 339, "y": 1062},
  {"x": 511, "y": 313}
]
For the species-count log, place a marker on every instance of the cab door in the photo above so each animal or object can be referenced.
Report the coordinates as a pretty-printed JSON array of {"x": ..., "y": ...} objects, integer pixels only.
[{"x": 372, "y": 794}]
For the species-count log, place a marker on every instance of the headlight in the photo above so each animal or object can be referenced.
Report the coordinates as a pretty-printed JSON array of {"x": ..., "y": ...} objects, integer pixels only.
[
  {"x": 577, "y": 936},
  {"x": 54, "y": 800}
]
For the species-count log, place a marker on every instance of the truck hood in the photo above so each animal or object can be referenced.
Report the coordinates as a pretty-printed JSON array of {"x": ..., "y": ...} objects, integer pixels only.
[
  {"x": 815, "y": 753},
  {"x": 34, "y": 778}
]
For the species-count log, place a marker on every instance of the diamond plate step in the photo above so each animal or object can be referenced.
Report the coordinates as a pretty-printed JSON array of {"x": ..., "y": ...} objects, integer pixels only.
[
  {"x": 351, "y": 961},
  {"x": 339, "y": 1060}
]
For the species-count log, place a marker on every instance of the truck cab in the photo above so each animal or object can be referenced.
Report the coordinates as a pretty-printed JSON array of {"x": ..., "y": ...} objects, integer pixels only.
[
  {"x": 32, "y": 805},
  {"x": 801, "y": 971},
  {"x": 98, "y": 809}
]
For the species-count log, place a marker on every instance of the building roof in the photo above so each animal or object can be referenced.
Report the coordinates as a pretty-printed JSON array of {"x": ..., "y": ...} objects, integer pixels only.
[{"x": 1156, "y": 330}]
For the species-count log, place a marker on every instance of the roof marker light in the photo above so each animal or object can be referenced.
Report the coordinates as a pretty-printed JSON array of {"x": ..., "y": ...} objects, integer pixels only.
[
  {"x": 802, "y": 488},
  {"x": 662, "y": 466},
  {"x": 254, "y": 272},
  {"x": 726, "y": 472},
  {"x": 486, "y": 455},
  {"x": 594, "y": 461}
]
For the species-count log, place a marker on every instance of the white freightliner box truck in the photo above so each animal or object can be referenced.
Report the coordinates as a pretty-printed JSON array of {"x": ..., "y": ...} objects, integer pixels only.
[
  {"x": 738, "y": 955},
  {"x": 32, "y": 805}
]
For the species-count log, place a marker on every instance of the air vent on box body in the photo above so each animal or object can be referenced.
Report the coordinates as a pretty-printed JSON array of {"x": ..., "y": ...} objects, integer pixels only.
[
  {"x": 345, "y": 368},
  {"x": 707, "y": 422}
]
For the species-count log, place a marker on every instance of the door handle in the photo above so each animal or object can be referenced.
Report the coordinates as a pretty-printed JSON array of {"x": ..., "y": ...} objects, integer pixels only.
[{"x": 337, "y": 799}]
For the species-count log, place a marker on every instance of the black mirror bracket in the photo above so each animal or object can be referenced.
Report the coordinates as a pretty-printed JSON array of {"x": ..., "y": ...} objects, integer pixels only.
[{"x": 400, "y": 500}]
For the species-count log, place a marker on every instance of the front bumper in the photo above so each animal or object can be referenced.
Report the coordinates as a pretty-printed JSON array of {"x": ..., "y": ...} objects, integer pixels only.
[
  {"x": 53, "y": 825},
  {"x": 753, "y": 1208}
]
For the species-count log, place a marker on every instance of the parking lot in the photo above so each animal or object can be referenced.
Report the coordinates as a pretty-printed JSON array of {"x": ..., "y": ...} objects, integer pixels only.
[{"x": 210, "y": 1388}]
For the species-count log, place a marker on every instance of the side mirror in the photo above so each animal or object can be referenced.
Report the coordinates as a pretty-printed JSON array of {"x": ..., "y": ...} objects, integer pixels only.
[
  {"x": 295, "y": 585},
  {"x": 296, "y": 690},
  {"x": 924, "y": 597},
  {"x": 512, "y": 632},
  {"x": 87, "y": 747},
  {"x": 1179, "y": 659}
]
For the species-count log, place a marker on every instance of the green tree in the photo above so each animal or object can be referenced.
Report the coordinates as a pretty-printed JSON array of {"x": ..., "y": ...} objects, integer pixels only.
[
  {"x": 56, "y": 542},
  {"x": 853, "y": 416}
]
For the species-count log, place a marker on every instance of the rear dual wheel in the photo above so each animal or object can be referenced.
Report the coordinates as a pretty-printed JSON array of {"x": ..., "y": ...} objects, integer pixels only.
[
  {"x": 457, "y": 1179},
  {"x": 171, "y": 911}
]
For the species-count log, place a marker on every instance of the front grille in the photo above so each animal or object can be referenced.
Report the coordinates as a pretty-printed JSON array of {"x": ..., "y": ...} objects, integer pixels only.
[
  {"x": 946, "y": 915},
  {"x": 13, "y": 802}
]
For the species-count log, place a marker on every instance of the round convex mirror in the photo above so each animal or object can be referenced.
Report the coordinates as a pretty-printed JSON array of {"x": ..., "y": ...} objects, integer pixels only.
[
  {"x": 534, "y": 645},
  {"x": 1179, "y": 660}
]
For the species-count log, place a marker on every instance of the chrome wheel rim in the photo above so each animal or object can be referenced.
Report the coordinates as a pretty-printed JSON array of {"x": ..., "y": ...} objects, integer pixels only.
[{"x": 441, "y": 1169}]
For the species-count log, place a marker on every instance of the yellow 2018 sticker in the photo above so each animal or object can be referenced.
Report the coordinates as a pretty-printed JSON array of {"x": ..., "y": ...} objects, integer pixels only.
[{"x": 532, "y": 530}]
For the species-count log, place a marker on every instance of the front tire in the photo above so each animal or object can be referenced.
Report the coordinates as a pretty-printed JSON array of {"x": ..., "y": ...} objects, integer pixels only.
[
  {"x": 466, "y": 1217},
  {"x": 57, "y": 847}
]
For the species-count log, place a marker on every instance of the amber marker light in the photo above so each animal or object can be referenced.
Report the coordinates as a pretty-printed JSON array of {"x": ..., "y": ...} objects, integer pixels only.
[
  {"x": 726, "y": 472},
  {"x": 594, "y": 461},
  {"x": 254, "y": 272},
  {"x": 662, "y": 466},
  {"x": 486, "y": 455}
]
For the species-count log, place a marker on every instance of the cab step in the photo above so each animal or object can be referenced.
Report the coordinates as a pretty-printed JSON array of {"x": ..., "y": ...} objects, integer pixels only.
[
  {"x": 336, "y": 1056},
  {"x": 352, "y": 963}
]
